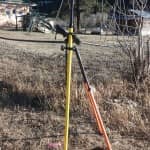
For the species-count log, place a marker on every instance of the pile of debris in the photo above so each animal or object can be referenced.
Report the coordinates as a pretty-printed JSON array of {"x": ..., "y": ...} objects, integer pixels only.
[{"x": 11, "y": 14}]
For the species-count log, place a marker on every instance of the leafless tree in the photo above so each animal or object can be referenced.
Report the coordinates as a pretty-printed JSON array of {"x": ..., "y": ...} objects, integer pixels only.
[{"x": 131, "y": 22}]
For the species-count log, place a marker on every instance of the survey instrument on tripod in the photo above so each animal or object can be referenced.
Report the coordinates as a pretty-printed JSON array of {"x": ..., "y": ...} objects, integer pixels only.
[{"x": 69, "y": 48}]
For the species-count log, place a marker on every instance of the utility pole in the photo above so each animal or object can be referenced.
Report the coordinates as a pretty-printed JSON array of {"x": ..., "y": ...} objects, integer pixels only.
[{"x": 78, "y": 14}]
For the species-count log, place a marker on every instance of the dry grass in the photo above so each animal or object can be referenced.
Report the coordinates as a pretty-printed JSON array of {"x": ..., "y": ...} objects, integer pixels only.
[
  {"x": 32, "y": 93},
  {"x": 125, "y": 108}
]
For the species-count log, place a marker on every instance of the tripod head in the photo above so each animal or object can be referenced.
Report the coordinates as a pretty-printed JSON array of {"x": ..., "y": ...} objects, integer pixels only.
[{"x": 60, "y": 30}]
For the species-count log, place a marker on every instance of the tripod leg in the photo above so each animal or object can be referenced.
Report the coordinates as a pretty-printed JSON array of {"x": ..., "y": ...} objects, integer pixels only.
[
  {"x": 87, "y": 87},
  {"x": 69, "y": 68},
  {"x": 93, "y": 102}
]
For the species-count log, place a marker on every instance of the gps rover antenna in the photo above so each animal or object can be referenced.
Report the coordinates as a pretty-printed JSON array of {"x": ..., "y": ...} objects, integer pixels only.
[{"x": 68, "y": 82}]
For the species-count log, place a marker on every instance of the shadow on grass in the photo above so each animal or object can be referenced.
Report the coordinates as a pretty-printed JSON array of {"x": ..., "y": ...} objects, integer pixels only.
[{"x": 10, "y": 97}]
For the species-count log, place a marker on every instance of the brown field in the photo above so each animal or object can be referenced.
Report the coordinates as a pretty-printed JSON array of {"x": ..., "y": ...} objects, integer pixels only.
[{"x": 32, "y": 95}]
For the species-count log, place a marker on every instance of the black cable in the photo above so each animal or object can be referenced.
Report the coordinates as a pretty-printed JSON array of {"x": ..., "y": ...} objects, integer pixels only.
[{"x": 36, "y": 41}]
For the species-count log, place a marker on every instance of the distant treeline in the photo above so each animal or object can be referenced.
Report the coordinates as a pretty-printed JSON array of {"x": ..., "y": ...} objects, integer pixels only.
[
  {"x": 88, "y": 6},
  {"x": 47, "y": 6}
]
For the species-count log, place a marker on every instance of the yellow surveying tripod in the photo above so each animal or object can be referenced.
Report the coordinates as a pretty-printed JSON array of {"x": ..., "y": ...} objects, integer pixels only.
[{"x": 70, "y": 39}]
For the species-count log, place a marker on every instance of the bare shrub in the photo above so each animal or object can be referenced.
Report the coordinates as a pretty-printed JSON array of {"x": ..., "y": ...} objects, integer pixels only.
[
  {"x": 93, "y": 20},
  {"x": 130, "y": 23}
]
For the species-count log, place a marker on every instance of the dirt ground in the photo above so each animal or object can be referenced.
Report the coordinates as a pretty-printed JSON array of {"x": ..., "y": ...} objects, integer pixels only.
[{"x": 32, "y": 86}]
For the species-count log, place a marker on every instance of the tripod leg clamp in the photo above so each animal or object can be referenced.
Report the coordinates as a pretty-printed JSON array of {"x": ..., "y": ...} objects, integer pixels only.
[{"x": 68, "y": 48}]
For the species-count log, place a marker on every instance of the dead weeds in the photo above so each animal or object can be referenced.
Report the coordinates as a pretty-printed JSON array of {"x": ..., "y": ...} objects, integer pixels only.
[{"x": 33, "y": 86}]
